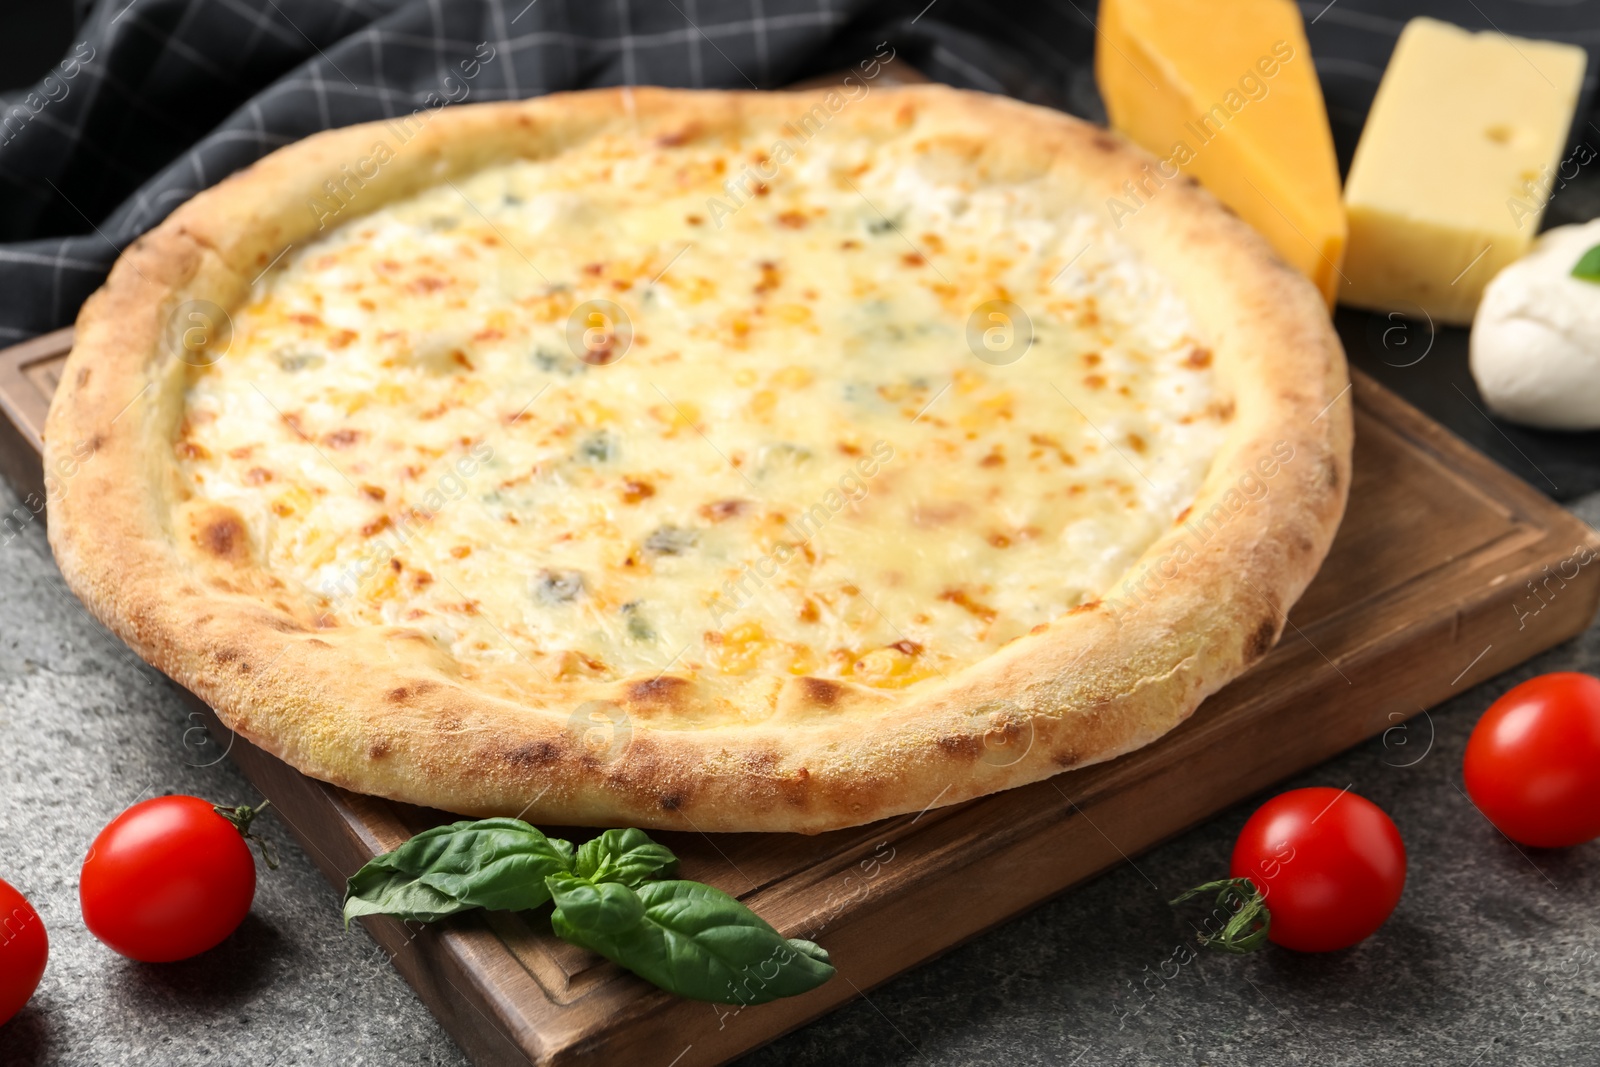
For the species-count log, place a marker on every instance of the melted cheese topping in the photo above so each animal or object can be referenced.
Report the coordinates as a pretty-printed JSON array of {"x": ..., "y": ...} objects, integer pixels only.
[{"x": 797, "y": 464}]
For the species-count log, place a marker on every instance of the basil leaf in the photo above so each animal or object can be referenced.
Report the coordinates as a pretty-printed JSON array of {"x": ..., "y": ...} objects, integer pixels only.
[
  {"x": 812, "y": 949},
  {"x": 689, "y": 939},
  {"x": 1588, "y": 265},
  {"x": 482, "y": 863},
  {"x": 607, "y": 908},
  {"x": 626, "y": 856}
]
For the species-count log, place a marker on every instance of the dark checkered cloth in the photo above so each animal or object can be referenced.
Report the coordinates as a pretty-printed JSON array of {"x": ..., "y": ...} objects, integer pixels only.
[
  {"x": 158, "y": 99},
  {"x": 161, "y": 98}
]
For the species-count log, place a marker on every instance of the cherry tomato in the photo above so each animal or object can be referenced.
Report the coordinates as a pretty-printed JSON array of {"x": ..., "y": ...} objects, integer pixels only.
[
  {"x": 23, "y": 948},
  {"x": 168, "y": 879},
  {"x": 1533, "y": 762},
  {"x": 1329, "y": 863}
]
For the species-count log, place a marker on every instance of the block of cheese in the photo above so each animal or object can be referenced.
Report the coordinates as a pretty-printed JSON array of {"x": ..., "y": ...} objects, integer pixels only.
[
  {"x": 1228, "y": 94},
  {"x": 1455, "y": 166}
]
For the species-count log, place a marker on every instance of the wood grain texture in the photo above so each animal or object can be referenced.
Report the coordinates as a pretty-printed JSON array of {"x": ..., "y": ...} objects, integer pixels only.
[{"x": 1444, "y": 574}]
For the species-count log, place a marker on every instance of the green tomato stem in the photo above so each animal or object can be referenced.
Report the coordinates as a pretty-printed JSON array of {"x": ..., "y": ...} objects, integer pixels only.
[
  {"x": 241, "y": 817},
  {"x": 1249, "y": 922}
]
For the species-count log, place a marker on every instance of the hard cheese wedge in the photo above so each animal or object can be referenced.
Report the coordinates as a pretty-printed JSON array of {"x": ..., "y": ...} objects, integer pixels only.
[
  {"x": 1454, "y": 166},
  {"x": 1227, "y": 93}
]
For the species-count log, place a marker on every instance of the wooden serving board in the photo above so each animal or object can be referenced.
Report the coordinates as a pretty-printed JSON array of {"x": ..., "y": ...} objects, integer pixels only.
[{"x": 1429, "y": 589}]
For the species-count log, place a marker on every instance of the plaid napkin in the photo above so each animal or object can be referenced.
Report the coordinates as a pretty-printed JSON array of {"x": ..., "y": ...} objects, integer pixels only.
[{"x": 158, "y": 99}]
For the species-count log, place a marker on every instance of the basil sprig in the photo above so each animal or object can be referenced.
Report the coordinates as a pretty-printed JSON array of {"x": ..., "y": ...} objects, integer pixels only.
[
  {"x": 689, "y": 938},
  {"x": 485, "y": 863},
  {"x": 611, "y": 897},
  {"x": 626, "y": 856}
]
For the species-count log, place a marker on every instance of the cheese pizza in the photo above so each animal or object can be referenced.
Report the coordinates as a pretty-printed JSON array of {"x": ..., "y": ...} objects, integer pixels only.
[{"x": 727, "y": 461}]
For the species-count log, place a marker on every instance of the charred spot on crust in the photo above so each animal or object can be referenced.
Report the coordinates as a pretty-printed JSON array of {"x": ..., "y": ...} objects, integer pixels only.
[
  {"x": 1087, "y": 605},
  {"x": 665, "y": 690},
  {"x": 795, "y": 789},
  {"x": 1069, "y": 758},
  {"x": 964, "y": 745},
  {"x": 1330, "y": 473},
  {"x": 534, "y": 754},
  {"x": 403, "y": 693},
  {"x": 1261, "y": 641},
  {"x": 221, "y": 533},
  {"x": 822, "y": 692},
  {"x": 378, "y": 749},
  {"x": 671, "y": 802},
  {"x": 1104, "y": 142}
]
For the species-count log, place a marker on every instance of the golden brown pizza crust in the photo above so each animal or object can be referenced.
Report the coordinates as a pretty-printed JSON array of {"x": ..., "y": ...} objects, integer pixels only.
[{"x": 385, "y": 711}]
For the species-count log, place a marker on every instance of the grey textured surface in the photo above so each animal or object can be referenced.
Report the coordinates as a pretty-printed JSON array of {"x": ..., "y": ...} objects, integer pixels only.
[{"x": 1493, "y": 956}]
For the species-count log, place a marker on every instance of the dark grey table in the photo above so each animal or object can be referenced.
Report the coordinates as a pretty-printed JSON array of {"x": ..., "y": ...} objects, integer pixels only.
[{"x": 1493, "y": 956}]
